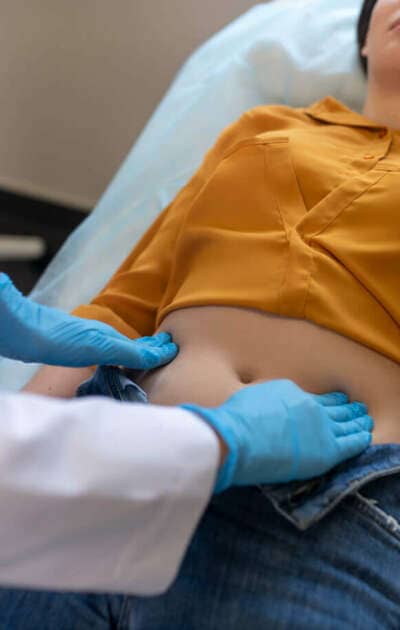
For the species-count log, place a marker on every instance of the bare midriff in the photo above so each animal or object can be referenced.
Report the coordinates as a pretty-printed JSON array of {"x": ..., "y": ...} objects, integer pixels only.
[{"x": 223, "y": 349}]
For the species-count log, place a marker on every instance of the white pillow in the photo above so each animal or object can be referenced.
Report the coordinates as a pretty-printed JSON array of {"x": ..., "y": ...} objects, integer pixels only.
[{"x": 284, "y": 51}]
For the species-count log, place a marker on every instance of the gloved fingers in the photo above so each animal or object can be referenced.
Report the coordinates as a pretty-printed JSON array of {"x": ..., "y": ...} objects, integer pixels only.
[
  {"x": 5, "y": 280},
  {"x": 125, "y": 353},
  {"x": 154, "y": 357},
  {"x": 9, "y": 291},
  {"x": 331, "y": 399},
  {"x": 352, "y": 445},
  {"x": 363, "y": 423},
  {"x": 157, "y": 340},
  {"x": 342, "y": 413},
  {"x": 107, "y": 331}
]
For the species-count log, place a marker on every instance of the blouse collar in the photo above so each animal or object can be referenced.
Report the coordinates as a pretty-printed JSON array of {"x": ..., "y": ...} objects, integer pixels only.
[{"x": 333, "y": 111}]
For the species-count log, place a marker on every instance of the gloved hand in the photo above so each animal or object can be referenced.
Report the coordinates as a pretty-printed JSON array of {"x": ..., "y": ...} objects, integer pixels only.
[
  {"x": 35, "y": 333},
  {"x": 276, "y": 432}
]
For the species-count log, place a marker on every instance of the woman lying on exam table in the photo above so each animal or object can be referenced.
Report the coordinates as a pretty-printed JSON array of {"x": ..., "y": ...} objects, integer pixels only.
[
  {"x": 46, "y": 439},
  {"x": 279, "y": 259}
]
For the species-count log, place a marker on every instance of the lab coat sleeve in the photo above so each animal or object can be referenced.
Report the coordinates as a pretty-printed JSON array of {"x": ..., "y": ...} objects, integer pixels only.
[{"x": 98, "y": 495}]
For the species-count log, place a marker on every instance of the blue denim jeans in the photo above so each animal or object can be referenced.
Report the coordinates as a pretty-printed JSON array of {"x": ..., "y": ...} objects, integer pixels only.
[{"x": 317, "y": 555}]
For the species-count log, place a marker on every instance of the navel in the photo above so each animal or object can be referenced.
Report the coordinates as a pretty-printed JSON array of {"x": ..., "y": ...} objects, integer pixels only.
[{"x": 246, "y": 377}]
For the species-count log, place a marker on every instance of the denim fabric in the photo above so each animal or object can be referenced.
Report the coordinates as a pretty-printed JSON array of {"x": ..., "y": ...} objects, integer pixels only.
[
  {"x": 112, "y": 382},
  {"x": 317, "y": 555}
]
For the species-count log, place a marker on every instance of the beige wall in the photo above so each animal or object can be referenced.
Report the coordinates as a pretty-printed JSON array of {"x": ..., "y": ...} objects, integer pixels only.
[{"x": 79, "y": 80}]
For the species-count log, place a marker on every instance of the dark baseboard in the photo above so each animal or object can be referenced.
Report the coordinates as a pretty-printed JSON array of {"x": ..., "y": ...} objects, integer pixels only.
[{"x": 27, "y": 216}]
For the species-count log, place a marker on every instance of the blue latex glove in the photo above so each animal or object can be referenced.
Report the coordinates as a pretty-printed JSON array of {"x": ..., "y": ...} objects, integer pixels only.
[
  {"x": 276, "y": 432},
  {"x": 35, "y": 333}
]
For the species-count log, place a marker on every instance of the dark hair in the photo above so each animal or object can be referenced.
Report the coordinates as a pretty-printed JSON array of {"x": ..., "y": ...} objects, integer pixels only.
[{"x": 362, "y": 30}]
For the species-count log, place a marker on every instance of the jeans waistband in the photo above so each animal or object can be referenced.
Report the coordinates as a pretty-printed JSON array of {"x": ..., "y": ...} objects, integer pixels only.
[{"x": 304, "y": 503}]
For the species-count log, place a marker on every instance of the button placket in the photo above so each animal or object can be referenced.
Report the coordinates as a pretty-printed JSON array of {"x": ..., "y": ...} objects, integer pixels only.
[{"x": 331, "y": 206}]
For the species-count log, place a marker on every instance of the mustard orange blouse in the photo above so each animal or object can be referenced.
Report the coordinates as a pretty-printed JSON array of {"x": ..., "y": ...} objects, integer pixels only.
[{"x": 295, "y": 211}]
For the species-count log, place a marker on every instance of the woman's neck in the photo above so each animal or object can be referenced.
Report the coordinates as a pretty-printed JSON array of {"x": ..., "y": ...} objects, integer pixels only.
[{"x": 383, "y": 108}]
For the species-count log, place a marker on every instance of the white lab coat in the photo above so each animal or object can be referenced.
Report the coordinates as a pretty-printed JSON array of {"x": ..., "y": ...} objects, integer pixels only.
[{"x": 97, "y": 495}]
